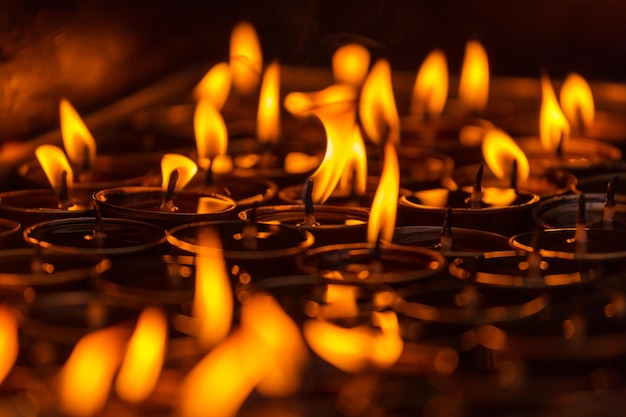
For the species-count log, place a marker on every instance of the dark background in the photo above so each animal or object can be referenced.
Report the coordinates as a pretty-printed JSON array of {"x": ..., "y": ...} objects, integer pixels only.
[{"x": 96, "y": 51}]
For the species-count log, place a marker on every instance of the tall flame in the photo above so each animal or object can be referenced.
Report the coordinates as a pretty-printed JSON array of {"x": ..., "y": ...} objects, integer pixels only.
[
  {"x": 431, "y": 86},
  {"x": 350, "y": 64},
  {"x": 210, "y": 132},
  {"x": 186, "y": 170},
  {"x": 377, "y": 107},
  {"x": 499, "y": 152},
  {"x": 383, "y": 214},
  {"x": 246, "y": 59},
  {"x": 85, "y": 379},
  {"x": 215, "y": 85},
  {"x": 474, "y": 82},
  {"x": 144, "y": 357},
  {"x": 554, "y": 130},
  {"x": 77, "y": 140},
  {"x": 53, "y": 162},
  {"x": 577, "y": 101},
  {"x": 354, "y": 177},
  {"x": 268, "y": 119},
  {"x": 9, "y": 344},
  {"x": 213, "y": 299}
]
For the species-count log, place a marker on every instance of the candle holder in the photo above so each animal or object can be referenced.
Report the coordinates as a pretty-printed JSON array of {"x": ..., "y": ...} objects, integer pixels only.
[
  {"x": 597, "y": 184},
  {"x": 367, "y": 264},
  {"x": 142, "y": 204},
  {"x": 332, "y": 224},
  {"x": 247, "y": 191},
  {"x": 9, "y": 234},
  {"x": 562, "y": 212},
  {"x": 33, "y": 206},
  {"x": 96, "y": 236}
]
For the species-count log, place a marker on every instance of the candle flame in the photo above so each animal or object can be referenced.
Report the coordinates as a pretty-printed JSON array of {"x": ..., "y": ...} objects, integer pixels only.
[
  {"x": 354, "y": 177},
  {"x": 268, "y": 119},
  {"x": 85, "y": 379},
  {"x": 53, "y": 162},
  {"x": 577, "y": 101},
  {"x": 554, "y": 130},
  {"x": 77, "y": 140},
  {"x": 215, "y": 85},
  {"x": 350, "y": 64},
  {"x": 377, "y": 107},
  {"x": 185, "y": 166},
  {"x": 499, "y": 152},
  {"x": 213, "y": 299},
  {"x": 144, "y": 357},
  {"x": 474, "y": 82},
  {"x": 210, "y": 132},
  {"x": 339, "y": 301},
  {"x": 246, "y": 59},
  {"x": 431, "y": 86},
  {"x": 333, "y": 99},
  {"x": 9, "y": 344},
  {"x": 383, "y": 213}
]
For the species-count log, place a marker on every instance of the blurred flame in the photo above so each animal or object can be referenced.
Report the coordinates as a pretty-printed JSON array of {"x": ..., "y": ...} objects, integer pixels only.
[
  {"x": 210, "y": 132},
  {"x": 85, "y": 379},
  {"x": 498, "y": 197},
  {"x": 431, "y": 86},
  {"x": 577, "y": 101},
  {"x": 499, "y": 152},
  {"x": 215, "y": 85},
  {"x": 213, "y": 298},
  {"x": 336, "y": 98},
  {"x": 386, "y": 348},
  {"x": 268, "y": 119},
  {"x": 77, "y": 140},
  {"x": 474, "y": 82},
  {"x": 354, "y": 178},
  {"x": 377, "y": 106},
  {"x": 435, "y": 197},
  {"x": 144, "y": 357},
  {"x": 9, "y": 344},
  {"x": 185, "y": 166},
  {"x": 383, "y": 213},
  {"x": 246, "y": 59},
  {"x": 553, "y": 125},
  {"x": 53, "y": 162},
  {"x": 350, "y": 64}
]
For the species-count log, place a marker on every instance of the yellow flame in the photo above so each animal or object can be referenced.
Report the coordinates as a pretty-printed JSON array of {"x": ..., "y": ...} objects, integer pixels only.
[
  {"x": 354, "y": 178},
  {"x": 431, "y": 86},
  {"x": 577, "y": 101},
  {"x": 553, "y": 125},
  {"x": 340, "y": 301},
  {"x": 144, "y": 357},
  {"x": 386, "y": 348},
  {"x": 9, "y": 344},
  {"x": 77, "y": 139},
  {"x": 85, "y": 379},
  {"x": 215, "y": 85},
  {"x": 186, "y": 170},
  {"x": 213, "y": 299},
  {"x": 53, "y": 162},
  {"x": 246, "y": 59},
  {"x": 383, "y": 213},
  {"x": 377, "y": 107},
  {"x": 474, "y": 82},
  {"x": 336, "y": 98},
  {"x": 499, "y": 152},
  {"x": 350, "y": 64},
  {"x": 435, "y": 197},
  {"x": 210, "y": 132},
  {"x": 268, "y": 118},
  {"x": 498, "y": 197}
]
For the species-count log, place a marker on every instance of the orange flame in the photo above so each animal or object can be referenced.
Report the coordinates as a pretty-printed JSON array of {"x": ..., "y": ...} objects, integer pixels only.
[
  {"x": 9, "y": 344},
  {"x": 354, "y": 178},
  {"x": 553, "y": 126},
  {"x": 383, "y": 213},
  {"x": 144, "y": 357},
  {"x": 340, "y": 301},
  {"x": 53, "y": 162},
  {"x": 210, "y": 132},
  {"x": 246, "y": 59},
  {"x": 215, "y": 85},
  {"x": 77, "y": 140},
  {"x": 431, "y": 86},
  {"x": 86, "y": 377},
  {"x": 474, "y": 82},
  {"x": 268, "y": 119},
  {"x": 377, "y": 106},
  {"x": 350, "y": 64},
  {"x": 213, "y": 299},
  {"x": 388, "y": 347},
  {"x": 185, "y": 166},
  {"x": 577, "y": 101},
  {"x": 336, "y": 98},
  {"x": 499, "y": 152}
]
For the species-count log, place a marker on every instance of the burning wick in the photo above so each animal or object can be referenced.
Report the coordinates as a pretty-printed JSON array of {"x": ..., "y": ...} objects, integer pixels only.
[
  {"x": 64, "y": 200},
  {"x": 514, "y": 175},
  {"x": 250, "y": 231},
  {"x": 477, "y": 192},
  {"x": 581, "y": 232},
  {"x": 168, "y": 205},
  {"x": 307, "y": 198},
  {"x": 609, "y": 204},
  {"x": 445, "y": 242}
]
